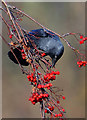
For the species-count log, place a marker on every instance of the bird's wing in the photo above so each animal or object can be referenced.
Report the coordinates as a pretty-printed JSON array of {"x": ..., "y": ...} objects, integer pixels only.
[
  {"x": 44, "y": 40},
  {"x": 17, "y": 53}
]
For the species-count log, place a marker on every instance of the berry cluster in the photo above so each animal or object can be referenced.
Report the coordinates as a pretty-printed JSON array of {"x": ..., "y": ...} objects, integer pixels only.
[
  {"x": 83, "y": 39},
  {"x": 45, "y": 86},
  {"x": 40, "y": 94},
  {"x": 31, "y": 77},
  {"x": 37, "y": 97},
  {"x": 51, "y": 76},
  {"x": 82, "y": 63},
  {"x": 50, "y": 108},
  {"x": 58, "y": 115},
  {"x": 23, "y": 54}
]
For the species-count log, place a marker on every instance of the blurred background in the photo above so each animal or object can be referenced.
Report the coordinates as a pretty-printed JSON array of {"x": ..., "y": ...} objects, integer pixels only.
[{"x": 62, "y": 18}]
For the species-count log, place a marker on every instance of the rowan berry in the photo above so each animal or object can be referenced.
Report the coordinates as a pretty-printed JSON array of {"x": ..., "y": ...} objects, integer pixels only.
[
  {"x": 81, "y": 36},
  {"x": 28, "y": 76},
  {"x": 22, "y": 50},
  {"x": 45, "y": 111},
  {"x": 60, "y": 115},
  {"x": 23, "y": 57},
  {"x": 63, "y": 97},
  {"x": 43, "y": 54},
  {"x": 81, "y": 42},
  {"x": 39, "y": 86},
  {"x": 10, "y": 36},
  {"x": 56, "y": 115},
  {"x": 58, "y": 101},
  {"x": 63, "y": 110}
]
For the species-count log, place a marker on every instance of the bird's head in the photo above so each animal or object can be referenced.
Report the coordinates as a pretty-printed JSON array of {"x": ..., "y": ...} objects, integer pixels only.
[{"x": 58, "y": 55}]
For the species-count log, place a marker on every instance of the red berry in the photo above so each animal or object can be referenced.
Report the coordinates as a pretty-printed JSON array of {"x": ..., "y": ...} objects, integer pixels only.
[
  {"x": 48, "y": 88},
  {"x": 47, "y": 85},
  {"x": 78, "y": 62},
  {"x": 35, "y": 83},
  {"x": 52, "y": 72},
  {"x": 52, "y": 107},
  {"x": 22, "y": 50},
  {"x": 60, "y": 115},
  {"x": 83, "y": 39},
  {"x": 34, "y": 69},
  {"x": 57, "y": 72},
  {"x": 49, "y": 107},
  {"x": 81, "y": 36},
  {"x": 36, "y": 94},
  {"x": 42, "y": 86},
  {"x": 50, "y": 84},
  {"x": 34, "y": 80},
  {"x": 33, "y": 103},
  {"x": 39, "y": 86},
  {"x": 23, "y": 54},
  {"x": 79, "y": 66},
  {"x": 53, "y": 77},
  {"x": 32, "y": 74},
  {"x": 63, "y": 110},
  {"x": 37, "y": 99},
  {"x": 58, "y": 101},
  {"x": 48, "y": 74},
  {"x": 37, "y": 66},
  {"x": 41, "y": 95},
  {"x": 46, "y": 95},
  {"x": 32, "y": 99},
  {"x": 81, "y": 42},
  {"x": 10, "y": 36},
  {"x": 23, "y": 57},
  {"x": 29, "y": 99},
  {"x": 45, "y": 111},
  {"x": 45, "y": 77},
  {"x": 43, "y": 54},
  {"x": 84, "y": 64},
  {"x": 28, "y": 76},
  {"x": 63, "y": 97},
  {"x": 56, "y": 115}
]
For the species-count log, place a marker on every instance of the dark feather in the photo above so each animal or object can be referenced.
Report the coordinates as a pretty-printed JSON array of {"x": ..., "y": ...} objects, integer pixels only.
[{"x": 46, "y": 41}]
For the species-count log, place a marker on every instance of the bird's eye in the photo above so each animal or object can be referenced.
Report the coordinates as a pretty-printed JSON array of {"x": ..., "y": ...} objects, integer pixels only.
[{"x": 55, "y": 56}]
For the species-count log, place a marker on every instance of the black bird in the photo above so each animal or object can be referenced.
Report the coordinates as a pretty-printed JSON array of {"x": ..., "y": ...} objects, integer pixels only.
[{"x": 46, "y": 41}]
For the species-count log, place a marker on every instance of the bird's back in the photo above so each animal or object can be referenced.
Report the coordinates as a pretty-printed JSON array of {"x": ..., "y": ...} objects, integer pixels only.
[{"x": 47, "y": 41}]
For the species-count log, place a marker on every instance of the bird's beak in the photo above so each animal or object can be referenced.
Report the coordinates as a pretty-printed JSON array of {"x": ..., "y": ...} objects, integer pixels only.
[
  {"x": 53, "y": 62},
  {"x": 53, "y": 66}
]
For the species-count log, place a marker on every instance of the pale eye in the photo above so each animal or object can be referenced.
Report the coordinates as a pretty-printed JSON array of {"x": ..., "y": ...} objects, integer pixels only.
[{"x": 55, "y": 56}]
